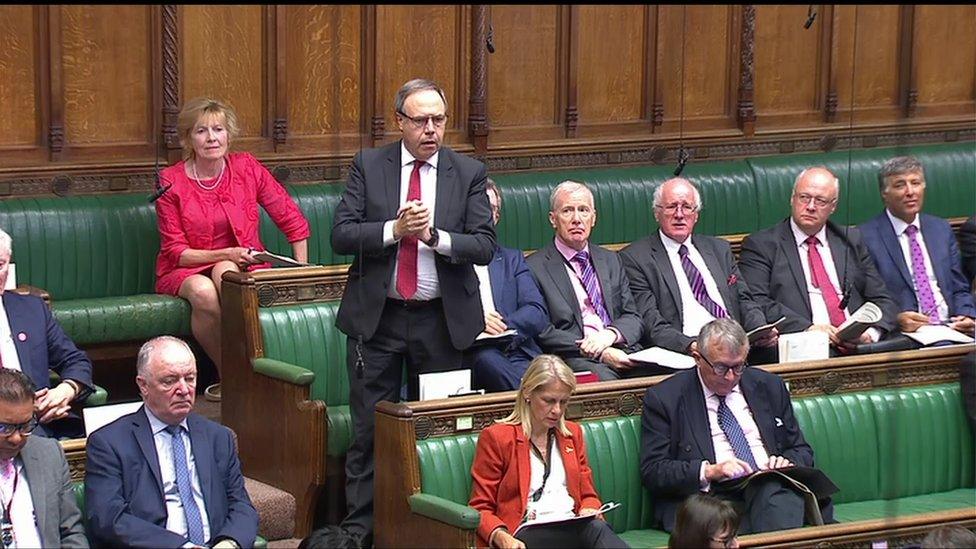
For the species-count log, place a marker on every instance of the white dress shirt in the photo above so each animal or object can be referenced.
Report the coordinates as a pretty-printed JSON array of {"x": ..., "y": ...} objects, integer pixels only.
[
  {"x": 8, "y": 350},
  {"x": 175, "y": 517},
  {"x": 899, "y": 226},
  {"x": 555, "y": 501},
  {"x": 484, "y": 288},
  {"x": 24, "y": 519},
  {"x": 737, "y": 404},
  {"x": 428, "y": 286},
  {"x": 693, "y": 314}
]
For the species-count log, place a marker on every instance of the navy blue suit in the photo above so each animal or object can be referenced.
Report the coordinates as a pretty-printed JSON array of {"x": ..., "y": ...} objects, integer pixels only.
[
  {"x": 879, "y": 237},
  {"x": 43, "y": 346},
  {"x": 499, "y": 367},
  {"x": 124, "y": 489}
]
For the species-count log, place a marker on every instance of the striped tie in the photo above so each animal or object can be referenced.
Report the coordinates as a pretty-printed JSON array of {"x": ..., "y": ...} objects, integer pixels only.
[
  {"x": 697, "y": 283},
  {"x": 734, "y": 434},
  {"x": 592, "y": 286}
]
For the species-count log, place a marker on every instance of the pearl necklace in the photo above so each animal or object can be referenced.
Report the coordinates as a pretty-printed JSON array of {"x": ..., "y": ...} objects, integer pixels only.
[{"x": 220, "y": 177}]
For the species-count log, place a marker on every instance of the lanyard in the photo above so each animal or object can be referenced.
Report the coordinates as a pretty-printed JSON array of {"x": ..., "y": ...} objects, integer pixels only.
[
  {"x": 537, "y": 495},
  {"x": 6, "y": 525}
]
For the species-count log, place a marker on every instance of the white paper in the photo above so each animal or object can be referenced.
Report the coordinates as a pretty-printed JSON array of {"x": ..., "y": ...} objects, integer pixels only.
[
  {"x": 860, "y": 320},
  {"x": 663, "y": 357},
  {"x": 761, "y": 331},
  {"x": 11, "y": 277},
  {"x": 99, "y": 416},
  {"x": 931, "y": 333},
  {"x": 485, "y": 335},
  {"x": 277, "y": 260},
  {"x": 608, "y": 506},
  {"x": 801, "y": 346},
  {"x": 444, "y": 384}
]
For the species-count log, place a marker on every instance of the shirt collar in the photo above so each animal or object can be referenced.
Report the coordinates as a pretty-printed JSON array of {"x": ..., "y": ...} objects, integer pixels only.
[
  {"x": 708, "y": 392},
  {"x": 406, "y": 158},
  {"x": 899, "y": 226},
  {"x": 158, "y": 425},
  {"x": 568, "y": 252},
  {"x": 801, "y": 237},
  {"x": 672, "y": 245}
]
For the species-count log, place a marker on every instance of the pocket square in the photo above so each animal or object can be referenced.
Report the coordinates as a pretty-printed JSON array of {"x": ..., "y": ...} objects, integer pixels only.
[
  {"x": 733, "y": 279},
  {"x": 779, "y": 422}
]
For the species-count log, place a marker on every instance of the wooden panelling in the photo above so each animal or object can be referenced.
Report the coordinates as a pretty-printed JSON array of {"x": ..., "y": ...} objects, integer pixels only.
[
  {"x": 875, "y": 76},
  {"x": 323, "y": 68},
  {"x": 106, "y": 73},
  {"x": 787, "y": 66},
  {"x": 19, "y": 116},
  {"x": 945, "y": 59},
  {"x": 223, "y": 58},
  {"x": 522, "y": 71},
  {"x": 610, "y": 63}
]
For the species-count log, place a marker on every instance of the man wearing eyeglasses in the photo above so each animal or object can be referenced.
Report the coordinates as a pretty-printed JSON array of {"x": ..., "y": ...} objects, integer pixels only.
[
  {"x": 37, "y": 503},
  {"x": 681, "y": 280},
  {"x": 812, "y": 271},
  {"x": 720, "y": 421},
  {"x": 416, "y": 217}
]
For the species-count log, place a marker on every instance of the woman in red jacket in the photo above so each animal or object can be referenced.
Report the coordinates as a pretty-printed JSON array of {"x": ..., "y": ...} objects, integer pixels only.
[
  {"x": 532, "y": 466},
  {"x": 208, "y": 218}
]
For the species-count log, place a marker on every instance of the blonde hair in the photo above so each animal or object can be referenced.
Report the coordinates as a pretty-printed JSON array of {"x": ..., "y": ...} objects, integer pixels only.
[
  {"x": 194, "y": 110},
  {"x": 543, "y": 370}
]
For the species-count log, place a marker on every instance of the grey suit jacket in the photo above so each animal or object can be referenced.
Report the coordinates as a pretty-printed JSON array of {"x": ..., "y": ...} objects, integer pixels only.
[
  {"x": 58, "y": 516},
  {"x": 655, "y": 287},
  {"x": 549, "y": 268}
]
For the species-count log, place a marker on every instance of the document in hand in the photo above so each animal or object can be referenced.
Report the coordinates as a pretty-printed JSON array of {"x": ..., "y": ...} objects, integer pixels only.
[
  {"x": 762, "y": 331},
  {"x": 932, "y": 333},
  {"x": 663, "y": 357},
  {"x": 860, "y": 320},
  {"x": 810, "y": 482},
  {"x": 485, "y": 337},
  {"x": 561, "y": 520},
  {"x": 277, "y": 260}
]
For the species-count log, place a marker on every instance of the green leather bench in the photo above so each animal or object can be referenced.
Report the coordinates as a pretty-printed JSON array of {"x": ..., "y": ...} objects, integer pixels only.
[{"x": 892, "y": 452}]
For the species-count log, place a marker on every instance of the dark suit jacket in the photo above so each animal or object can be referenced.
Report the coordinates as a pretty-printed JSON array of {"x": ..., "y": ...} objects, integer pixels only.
[
  {"x": 371, "y": 198},
  {"x": 501, "y": 473},
  {"x": 675, "y": 435},
  {"x": 967, "y": 246},
  {"x": 566, "y": 321},
  {"x": 882, "y": 243},
  {"x": 770, "y": 262},
  {"x": 124, "y": 488},
  {"x": 516, "y": 296},
  {"x": 655, "y": 287}
]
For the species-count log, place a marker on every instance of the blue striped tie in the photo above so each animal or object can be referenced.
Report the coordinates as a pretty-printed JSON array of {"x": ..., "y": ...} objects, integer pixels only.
[
  {"x": 194, "y": 524},
  {"x": 592, "y": 286},
  {"x": 734, "y": 434},
  {"x": 697, "y": 283}
]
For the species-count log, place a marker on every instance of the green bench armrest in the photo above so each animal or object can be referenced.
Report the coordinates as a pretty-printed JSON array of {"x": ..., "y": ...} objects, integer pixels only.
[
  {"x": 446, "y": 511},
  {"x": 97, "y": 397},
  {"x": 284, "y": 371}
]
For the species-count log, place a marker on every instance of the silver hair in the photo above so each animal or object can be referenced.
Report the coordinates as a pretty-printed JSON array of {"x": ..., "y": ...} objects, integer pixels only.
[
  {"x": 723, "y": 332},
  {"x": 150, "y": 349},
  {"x": 659, "y": 191},
  {"x": 412, "y": 87},
  {"x": 6, "y": 243},
  {"x": 804, "y": 172},
  {"x": 897, "y": 166},
  {"x": 566, "y": 187}
]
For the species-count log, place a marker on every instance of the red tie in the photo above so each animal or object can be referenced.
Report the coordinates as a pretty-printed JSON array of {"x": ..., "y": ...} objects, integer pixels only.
[
  {"x": 407, "y": 256},
  {"x": 822, "y": 281}
]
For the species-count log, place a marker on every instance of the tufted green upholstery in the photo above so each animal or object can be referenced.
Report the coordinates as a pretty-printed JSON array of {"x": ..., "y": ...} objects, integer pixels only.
[
  {"x": 891, "y": 452},
  {"x": 318, "y": 203},
  {"x": 305, "y": 335}
]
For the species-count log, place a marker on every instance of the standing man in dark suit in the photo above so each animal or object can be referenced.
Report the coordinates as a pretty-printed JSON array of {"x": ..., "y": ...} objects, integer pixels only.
[
  {"x": 682, "y": 281},
  {"x": 812, "y": 271},
  {"x": 916, "y": 254},
  {"x": 40, "y": 505},
  {"x": 594, "y": 321},
  {"x": 416, "y": 217},
  {"x": 510, "y": 300},
  {"x": 33, "y": 342},
  {"x": 720, "y": 421},
  {"x": 163, "y": 476}
]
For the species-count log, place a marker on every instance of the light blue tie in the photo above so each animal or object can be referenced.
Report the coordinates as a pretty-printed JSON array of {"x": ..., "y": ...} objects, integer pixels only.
[
  {"x": 735, "y": 435},
  {"x": 194, "y": 524}
]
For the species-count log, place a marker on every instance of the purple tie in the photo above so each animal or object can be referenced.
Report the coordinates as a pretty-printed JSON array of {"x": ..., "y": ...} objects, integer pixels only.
[
  {"x": 698, "y": 285},
  {"x": 592, "y": 286},
  {"x": 926, "y": 299}
]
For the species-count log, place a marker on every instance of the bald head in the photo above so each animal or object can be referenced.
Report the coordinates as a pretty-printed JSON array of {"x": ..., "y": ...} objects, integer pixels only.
[
  {"x": 676, "y": 206},
  {"x": 814, "y": 198}
]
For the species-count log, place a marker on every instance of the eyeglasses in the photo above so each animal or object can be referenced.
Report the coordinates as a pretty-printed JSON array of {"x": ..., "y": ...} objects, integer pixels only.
[
  {"x": 568, "y": 213},
  {"x": 805, "y": 198},
  {"x": 25, "y": 428},
  {"x": 670, "y": 209},
  {"x": 726, "y": 542},
  {"x": 721, "y": 369},
  {"x": 419, "y": 122}
]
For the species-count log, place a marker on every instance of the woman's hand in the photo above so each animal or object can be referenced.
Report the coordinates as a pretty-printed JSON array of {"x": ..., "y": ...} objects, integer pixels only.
[
  {"x": 503, "y": 540},
  {"x": 242, "y": 257}
]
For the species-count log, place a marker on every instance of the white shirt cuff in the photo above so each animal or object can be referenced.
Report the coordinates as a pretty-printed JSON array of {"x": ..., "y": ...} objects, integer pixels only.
[
  {"x": 388, "y": 239},
  {"x": 703, "y": 484}
]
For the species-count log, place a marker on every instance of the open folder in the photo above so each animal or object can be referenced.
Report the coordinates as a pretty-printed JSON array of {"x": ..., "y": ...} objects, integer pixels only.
[
  {"x": 277, "y": 260},
  {"x": 809, "y": 482},
  {"x": 563, "y": 520}
]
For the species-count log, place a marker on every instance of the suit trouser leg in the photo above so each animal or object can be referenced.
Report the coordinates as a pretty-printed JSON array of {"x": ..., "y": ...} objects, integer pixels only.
[
  {"x": 771, "y": 505},
  {"x": 602, "y": 371},
  {"x": 492, "y": 369}
]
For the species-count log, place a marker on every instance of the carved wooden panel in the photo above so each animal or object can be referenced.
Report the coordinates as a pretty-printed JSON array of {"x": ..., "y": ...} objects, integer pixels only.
[
  {"x": 18, "y": 76},
  {"x": 787, "y": 65},
  {"x": 875, "y": 67},
  {"x": 522, "y": 71},
  {"x": 323, "y": 69},
  {"x": 945, "y": 54},
  {"x": 106, "y": 73},
  {"x": 610, "y": 63},
  {"x": 223, "y": 58}
]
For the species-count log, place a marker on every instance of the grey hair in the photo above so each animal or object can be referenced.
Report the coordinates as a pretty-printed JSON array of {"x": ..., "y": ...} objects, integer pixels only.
[
  {"x": 897, "y": 166},
  {"x": 659, "y": 191},
  {"x": 799, "y": 176},
  {"x": 6, "y": 243},
  {"x": 150, "y": 349},
  {"x": 723, "y": 332},
  {"x": 567, "y": 186},
  {"x": 412, "y": 87}
]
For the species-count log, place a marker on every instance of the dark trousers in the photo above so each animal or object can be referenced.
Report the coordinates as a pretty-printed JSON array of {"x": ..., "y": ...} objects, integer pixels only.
[
  {"x": 494, "y": 369},
  {"x": 768, "y": 503},
  {"x": 594, "y": 533},
  {"x": 606, "y": 373},
  {"x": 415, "y": 336}
]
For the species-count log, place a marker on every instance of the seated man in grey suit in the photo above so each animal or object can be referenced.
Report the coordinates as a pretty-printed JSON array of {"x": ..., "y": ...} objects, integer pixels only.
[
  {"x": 39, "y": 503},
  {"x": 594, "y": 322},
  {"x": 682, "y": 281},
  {"x": 812, "y": 271}
]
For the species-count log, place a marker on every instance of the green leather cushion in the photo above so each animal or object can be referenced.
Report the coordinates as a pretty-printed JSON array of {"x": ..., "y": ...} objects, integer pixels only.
[
  {"x": 318, "y": 202},
  {"x": 122, "y": 318}
]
